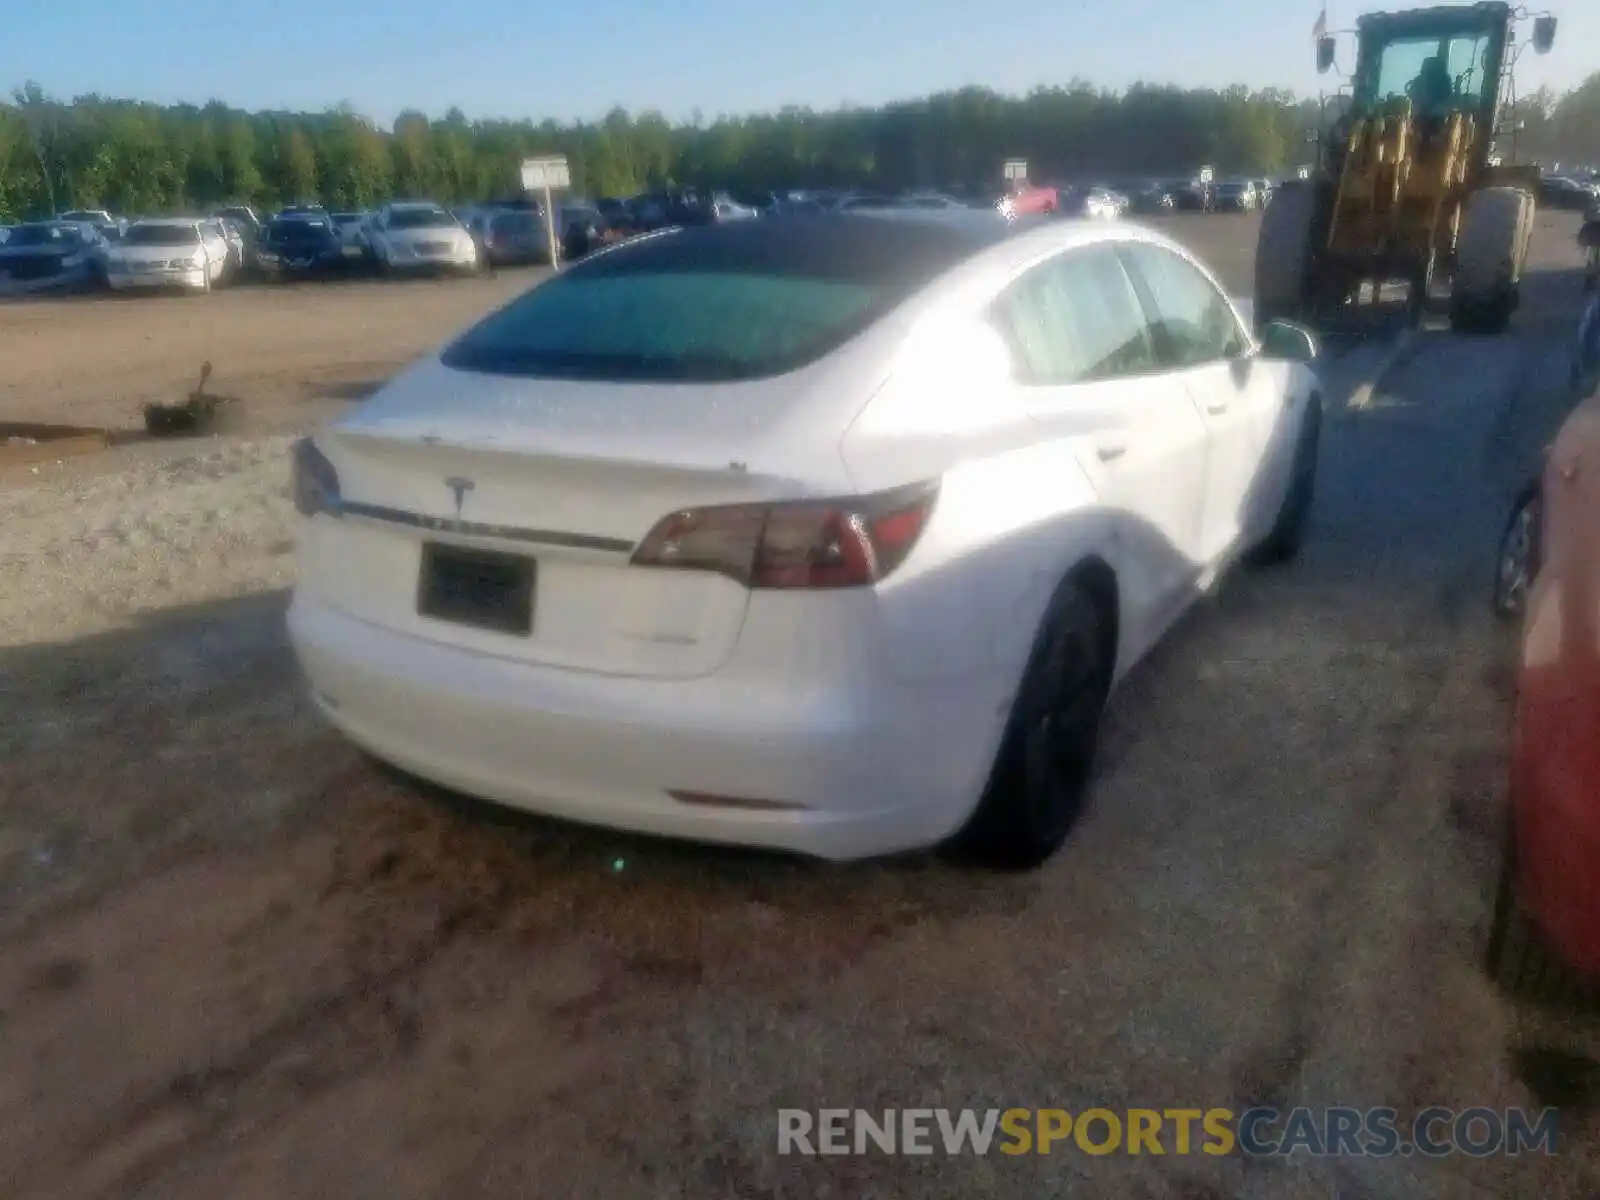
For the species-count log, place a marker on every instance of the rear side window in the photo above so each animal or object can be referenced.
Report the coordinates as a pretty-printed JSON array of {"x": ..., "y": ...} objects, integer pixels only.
[
  {"x": 1193, "y": 321},
  {"x": 1076, "y": 319},
  {"x": 674, "y": 326}
]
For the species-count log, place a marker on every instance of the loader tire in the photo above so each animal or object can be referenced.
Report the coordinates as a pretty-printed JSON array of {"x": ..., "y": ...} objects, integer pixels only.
[
  {"x": 1283, "y": 254},
  {"x": 1491, "y": 250}
]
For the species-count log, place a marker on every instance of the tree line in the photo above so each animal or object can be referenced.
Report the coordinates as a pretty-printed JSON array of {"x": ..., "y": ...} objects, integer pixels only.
[{"x": 133, "y": 157}]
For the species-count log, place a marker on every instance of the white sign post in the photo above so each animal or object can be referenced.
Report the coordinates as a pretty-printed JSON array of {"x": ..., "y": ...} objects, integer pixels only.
[
  {"x": 1016, "y": 169},
  {"x": 545, "y": 174}
]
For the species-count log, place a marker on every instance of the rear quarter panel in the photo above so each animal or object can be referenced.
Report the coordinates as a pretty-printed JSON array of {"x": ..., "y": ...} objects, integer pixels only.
[{"x": 1014, "y": 513}]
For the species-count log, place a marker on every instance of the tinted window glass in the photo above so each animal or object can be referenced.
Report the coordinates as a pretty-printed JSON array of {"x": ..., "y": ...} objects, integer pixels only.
[
  {"x": 723, "y": 302},
  {"x": 678, "y": 326},
  {"x": 515, "y": 222},
  {"x": 420, "y": 218},
  {"x": 1194, "y": 323},
  {"x": 1076, "y": 319},
  {"x": 41, "y": 235},
  {"x": 297, "y": 231},
  {"x": 162, "y": 235}
]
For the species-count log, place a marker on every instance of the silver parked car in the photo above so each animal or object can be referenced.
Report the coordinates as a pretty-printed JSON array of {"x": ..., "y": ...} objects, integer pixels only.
[
  {"x": 418, "y": 236},
  {"x": 510, "y": 236},
  {"x": 352, "y": 229}
]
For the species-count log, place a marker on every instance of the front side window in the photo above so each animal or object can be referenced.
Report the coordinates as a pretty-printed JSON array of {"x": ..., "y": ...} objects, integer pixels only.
[
  {"x": 1076, "y": 319},
  {"x": 1433, "y": 73},
  {"x": 1193, "y": 322}
]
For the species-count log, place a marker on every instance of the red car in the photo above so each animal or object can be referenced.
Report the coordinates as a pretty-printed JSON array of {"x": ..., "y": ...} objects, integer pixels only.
[
  {"x": 1549, "y": 572},
  {"x": 1030, "y": 201}
]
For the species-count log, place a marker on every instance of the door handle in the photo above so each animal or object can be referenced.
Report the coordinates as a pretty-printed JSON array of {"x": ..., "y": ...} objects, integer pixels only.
[
  {"x": 1218, "y": 408},
  {"x": 1110, "y": 453}
]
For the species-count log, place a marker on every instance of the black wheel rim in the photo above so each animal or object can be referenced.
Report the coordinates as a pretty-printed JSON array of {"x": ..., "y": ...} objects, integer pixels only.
[
  {"x": 1516, "y": 563},
  {"x": 1063, "y": 731}
]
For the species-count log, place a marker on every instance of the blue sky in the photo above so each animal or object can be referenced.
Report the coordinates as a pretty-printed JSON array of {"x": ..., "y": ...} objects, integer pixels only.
[{"x": 495, "y": 58}]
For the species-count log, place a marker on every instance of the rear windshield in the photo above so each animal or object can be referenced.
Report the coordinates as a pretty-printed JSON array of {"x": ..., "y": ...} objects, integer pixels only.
[
  {"x": 716, "y": 304},
  {"x": 41, "y": 235},
  {"x": 297, "y": 231},
  {"x": 420, "y": 218},
  {"x": 162, "y": 235},
  {"x": 515, "y": 222}
]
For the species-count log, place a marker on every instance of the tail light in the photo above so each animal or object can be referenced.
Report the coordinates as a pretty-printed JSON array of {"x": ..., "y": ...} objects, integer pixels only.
[
  {"x": 796, "y": 544},
  {"x": 314, "y": 482}
]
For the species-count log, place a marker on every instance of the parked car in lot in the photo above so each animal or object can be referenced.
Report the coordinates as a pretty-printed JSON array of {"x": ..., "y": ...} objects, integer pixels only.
[
  {"x": 188, "y": 253},
  {"x": 109, "y": 226},
  {"x": 930, "y": 200},
  {"x": 830, "y": 534},
  {"x": 1029, "y": 201},
  {"x": 48, "y": 253},
  {"x": 1092, "y": 203},
  {"x": 418, "y": 236},
  {"x": 1546, "y": 928},
  {"x": 1235, "y": 195},
  {"x": 1557, "y": 191},
  {"x": 511, "y": 237},
  {"x": 1152, "y": 198},
  {"x": 238, "y": 252},
  {"x": 352, "y": 230},
  {"x": 1193, "y": 196},
  {"x": 300, "y": 246},
  {"x": 583, "y": 229}
]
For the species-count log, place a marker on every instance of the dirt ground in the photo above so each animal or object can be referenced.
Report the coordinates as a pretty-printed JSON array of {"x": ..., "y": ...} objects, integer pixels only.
[{"x": 241, "y": 961}]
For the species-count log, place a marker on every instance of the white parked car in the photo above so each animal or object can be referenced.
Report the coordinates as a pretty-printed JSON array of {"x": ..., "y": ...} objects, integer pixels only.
[
  {"x": 827, "y": 535},
  {"x": 352, "y": 227},
  {"x": 160, "y": 252},
  {"x": 419, "y": 236}
]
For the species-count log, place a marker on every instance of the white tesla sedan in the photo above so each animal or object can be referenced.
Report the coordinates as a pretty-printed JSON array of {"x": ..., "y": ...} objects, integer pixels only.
[{"x": 829, "y": 535}]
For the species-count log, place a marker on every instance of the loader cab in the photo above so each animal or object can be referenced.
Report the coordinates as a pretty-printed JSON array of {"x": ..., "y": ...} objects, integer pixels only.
[{"x": 1438, "y": 61}]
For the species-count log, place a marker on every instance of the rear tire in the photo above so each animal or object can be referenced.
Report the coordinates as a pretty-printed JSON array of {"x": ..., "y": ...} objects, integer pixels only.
[
  {"x": 1040, "y": 779},
  {"x": 1518, "y": 960},
  {"x": 1491, "y": 251},
  {"x": 1283, "y": 254}
]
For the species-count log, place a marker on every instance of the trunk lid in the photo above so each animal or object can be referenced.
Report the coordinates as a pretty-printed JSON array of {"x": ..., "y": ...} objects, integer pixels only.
[{"x": 571, "y": 476}]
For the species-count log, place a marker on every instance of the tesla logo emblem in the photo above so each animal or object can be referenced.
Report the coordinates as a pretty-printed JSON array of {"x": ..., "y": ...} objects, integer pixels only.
[{"x": 459, "y": 488}]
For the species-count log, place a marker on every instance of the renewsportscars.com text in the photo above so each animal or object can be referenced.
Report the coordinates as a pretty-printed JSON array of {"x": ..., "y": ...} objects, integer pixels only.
[{"x": 1257, "y": 1132}]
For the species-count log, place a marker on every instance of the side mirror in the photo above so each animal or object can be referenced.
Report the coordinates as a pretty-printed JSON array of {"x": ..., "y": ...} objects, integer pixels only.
[
  {"x": 1326, "y": 46},
  {"x": 1544, "y": 34},
  {"x": 1289, "y": 342}
]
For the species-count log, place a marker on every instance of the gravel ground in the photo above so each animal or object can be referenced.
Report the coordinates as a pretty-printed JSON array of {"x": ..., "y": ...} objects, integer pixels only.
[{"x": 240, "y": 961}]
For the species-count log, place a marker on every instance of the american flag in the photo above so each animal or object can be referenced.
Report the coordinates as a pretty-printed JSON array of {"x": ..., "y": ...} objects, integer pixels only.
[{"x": 1320, "y": 29}]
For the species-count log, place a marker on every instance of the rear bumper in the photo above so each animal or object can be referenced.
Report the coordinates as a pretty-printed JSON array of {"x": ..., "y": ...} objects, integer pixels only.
[{"x": 847, "y": 771}]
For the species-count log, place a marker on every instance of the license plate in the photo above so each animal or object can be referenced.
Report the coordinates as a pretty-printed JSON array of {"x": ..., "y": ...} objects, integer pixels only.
[
  {"x": 433, "y": 248},
  {"x": 482, "y": 588}
]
